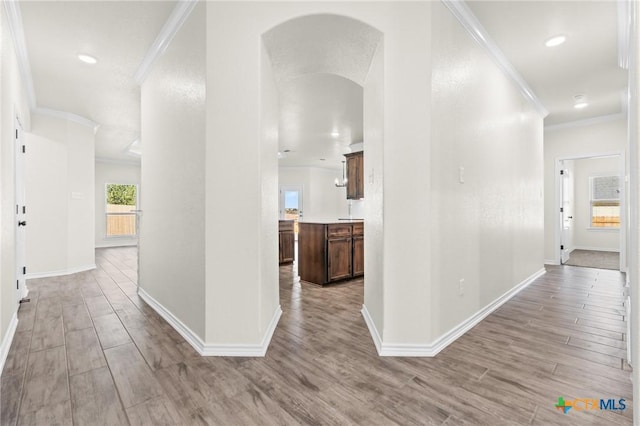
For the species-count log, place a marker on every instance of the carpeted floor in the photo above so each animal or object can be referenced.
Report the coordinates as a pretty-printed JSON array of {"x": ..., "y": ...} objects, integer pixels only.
[{"x": 595, "y": 259}]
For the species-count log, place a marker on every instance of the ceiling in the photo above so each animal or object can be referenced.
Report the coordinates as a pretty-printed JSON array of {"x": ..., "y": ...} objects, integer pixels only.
[
  {"x": 587, "y": 63},
  {"x": 118, "y": 34},
  {"x": 320, "y": 63}
]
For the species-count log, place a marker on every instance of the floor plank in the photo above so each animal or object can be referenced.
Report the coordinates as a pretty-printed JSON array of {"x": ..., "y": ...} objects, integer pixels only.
[{"x": 90, "y": 351}]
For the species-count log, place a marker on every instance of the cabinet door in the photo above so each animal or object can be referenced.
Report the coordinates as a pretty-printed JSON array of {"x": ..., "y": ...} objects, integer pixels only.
[
  {"x": 360, "y": 176},
  {"x": 358, "y": 256},
  {"x": 339, "y": 258},
  {"x": 355, "y": 176},
  {"x": 287, "y": 241}
]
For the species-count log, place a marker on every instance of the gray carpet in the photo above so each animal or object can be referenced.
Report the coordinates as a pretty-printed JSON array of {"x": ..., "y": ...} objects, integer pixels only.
[{"x": 595, "y": 259}]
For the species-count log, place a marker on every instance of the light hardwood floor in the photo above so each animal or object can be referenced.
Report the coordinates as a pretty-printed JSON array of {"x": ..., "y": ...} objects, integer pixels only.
[{"x": 89, "y": 351}]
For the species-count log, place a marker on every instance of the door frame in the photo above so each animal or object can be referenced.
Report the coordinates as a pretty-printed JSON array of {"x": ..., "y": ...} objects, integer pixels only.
[
  {"x": 623, "y": 202},
  {"x": 19, "y": 188},
  {"x": 290, "y": 187}
]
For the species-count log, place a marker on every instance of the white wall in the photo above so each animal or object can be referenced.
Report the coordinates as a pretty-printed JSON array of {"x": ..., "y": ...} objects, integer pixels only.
[
  {"x": 585, "y": 237},
  {"x": 487, "y": 230},
  {"x": 172, "y": 227},
  {"x": 586, "y": 140},
  {"x": 372, "y": 207},
  {"x": 120, "y": 173},
  {"x": 320, "y": 198},
  {"x": 233, "y": 106},
  {"x": 60, "y": 194},
  {"x": 13, "y": 101}
]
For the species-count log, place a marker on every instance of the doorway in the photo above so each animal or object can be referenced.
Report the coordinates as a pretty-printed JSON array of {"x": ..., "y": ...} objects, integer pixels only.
[
  {"x": 291, "y": 205},
  {"x": 591, "y": 211}
]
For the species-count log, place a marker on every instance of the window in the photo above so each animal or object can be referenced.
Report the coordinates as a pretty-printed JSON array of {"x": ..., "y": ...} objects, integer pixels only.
[
  {"x": 605, "y": 201},
  {"x": 121, "y": 203}
]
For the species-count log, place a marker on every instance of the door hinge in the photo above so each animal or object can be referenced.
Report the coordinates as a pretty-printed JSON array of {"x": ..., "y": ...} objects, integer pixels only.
[
  {"x": 16, "y": 133},
  {"x": 24, "y": 270},
  {"x": 24, "y": 149},
  {"x": 562, "y": 172},
  {"x": 561, "y": 210},
  {"x": 561, "y": 247},
  {"x": 24, "y": 209},
  {"x": 17, "y": 209},
  {"x": 17, "y": 284}
]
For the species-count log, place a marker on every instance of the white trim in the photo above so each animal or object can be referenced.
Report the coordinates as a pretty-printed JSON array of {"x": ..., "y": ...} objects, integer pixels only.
[
  {"x": 60, "y": 272},
  {"x": 461, "y": 11},
  {"x": 551, "y": 262},
  {"x": 118, "y": 162},
  {"x": 178, "y": 16},
  {"x": 112, "y": 244},
  {"x": 66, "y": 116},
  {"x": 14, "y": 17},
  {"x": 207, "y": 349},
  {"x": 377, "y": 341},
  {"x": 586, "y": 121},
  {"x": 432, "y": 349},
  {"x": 7, "y": 339},
  {"x": 596, "y": 249},
  {"x": 603, "y": 229}
]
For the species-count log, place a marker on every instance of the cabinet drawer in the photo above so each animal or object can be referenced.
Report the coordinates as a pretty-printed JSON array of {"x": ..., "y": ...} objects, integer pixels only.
[
  {"x": 285, "y": 225},
  {"x": 337, "y": 231},
  {"x": 358, "y": 229}
]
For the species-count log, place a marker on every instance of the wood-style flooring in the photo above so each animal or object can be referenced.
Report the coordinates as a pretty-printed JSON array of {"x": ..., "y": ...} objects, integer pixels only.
[{"x": 89, "y": 351}]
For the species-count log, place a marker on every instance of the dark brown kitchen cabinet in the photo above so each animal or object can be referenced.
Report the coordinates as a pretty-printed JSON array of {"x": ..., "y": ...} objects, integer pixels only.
[
  {"x": 355, "y": 175},
  {"x": 329, "y": 252},
  {"x": 286, "y": 239},
  {"x": 358, "y": 249}
]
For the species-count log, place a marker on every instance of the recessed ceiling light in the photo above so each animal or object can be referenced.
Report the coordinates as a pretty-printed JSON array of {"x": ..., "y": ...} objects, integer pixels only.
[
  {"x": 335, "y": 134},
  {"x": 87, "y": 59},
  {"x": 580, "y": 101},
  {"x": 555, "y": 41}
]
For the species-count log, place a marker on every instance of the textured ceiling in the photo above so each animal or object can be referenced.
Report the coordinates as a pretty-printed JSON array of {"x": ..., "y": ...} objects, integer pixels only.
[
  {"x": 118, "y": 34},
  {"x": 587, "y": 63},
  {"x": 320, "y": 63}
]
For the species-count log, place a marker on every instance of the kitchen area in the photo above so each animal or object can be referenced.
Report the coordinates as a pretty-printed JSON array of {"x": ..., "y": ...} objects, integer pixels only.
[{"x": 329, "y": 249}]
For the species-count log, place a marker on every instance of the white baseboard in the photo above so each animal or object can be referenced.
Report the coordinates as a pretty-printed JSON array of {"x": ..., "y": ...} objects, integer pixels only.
[
  {"x": 551, "y": 262},
  {"x": 377, "y": 341},
  {"x": 596, "y": 249},
  {"x": 8, "y": 339},
  {"x": 61, "y": 272},
  {"x": 209, "y": 349},
  {"x": 432, "y": 349}
]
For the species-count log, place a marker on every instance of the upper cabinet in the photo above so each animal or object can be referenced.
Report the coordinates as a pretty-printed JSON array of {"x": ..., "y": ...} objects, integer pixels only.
[{"x": 355, "y": 175}]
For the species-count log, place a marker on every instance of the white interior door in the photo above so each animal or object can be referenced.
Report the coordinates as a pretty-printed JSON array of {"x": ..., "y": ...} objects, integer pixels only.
[
  {"x": 21, "y": 213},
  {"x": 566, "y": 214},
  {"x": 290, "y": 205}
]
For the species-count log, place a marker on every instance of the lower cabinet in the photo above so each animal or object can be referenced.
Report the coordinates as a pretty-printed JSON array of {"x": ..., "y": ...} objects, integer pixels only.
[
  {"x": 329, "y": 252},
  {"x": 286, "y": 240}
]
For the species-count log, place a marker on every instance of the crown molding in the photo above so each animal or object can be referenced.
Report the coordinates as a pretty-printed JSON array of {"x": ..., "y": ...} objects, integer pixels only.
[
  {"x": 66, "y": 116},
  {"x": 14, "y": 17},
  {"x": 470, "y": 22},
  {"x": 178, "y": 16},
  {"x": 586, "y": 122}
]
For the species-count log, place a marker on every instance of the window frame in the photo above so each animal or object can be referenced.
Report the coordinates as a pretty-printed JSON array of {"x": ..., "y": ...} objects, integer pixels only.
[
  {"x": 107, "y": 214},
  {"x": 591, "y": 226}
]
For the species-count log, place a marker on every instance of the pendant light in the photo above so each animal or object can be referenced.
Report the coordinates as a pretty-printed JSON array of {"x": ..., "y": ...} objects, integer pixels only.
[{"x": 344, "y": 179}]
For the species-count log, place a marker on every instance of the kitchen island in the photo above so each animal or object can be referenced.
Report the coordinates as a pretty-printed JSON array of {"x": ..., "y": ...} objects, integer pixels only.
[{"x": 330, "y": 251}]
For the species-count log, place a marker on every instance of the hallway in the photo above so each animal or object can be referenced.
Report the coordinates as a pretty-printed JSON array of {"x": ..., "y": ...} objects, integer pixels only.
[{"x": 89, "y": 351}]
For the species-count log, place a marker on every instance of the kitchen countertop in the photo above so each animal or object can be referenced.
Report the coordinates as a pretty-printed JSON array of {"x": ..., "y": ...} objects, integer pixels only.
[{"x": 333, "y": 221}]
